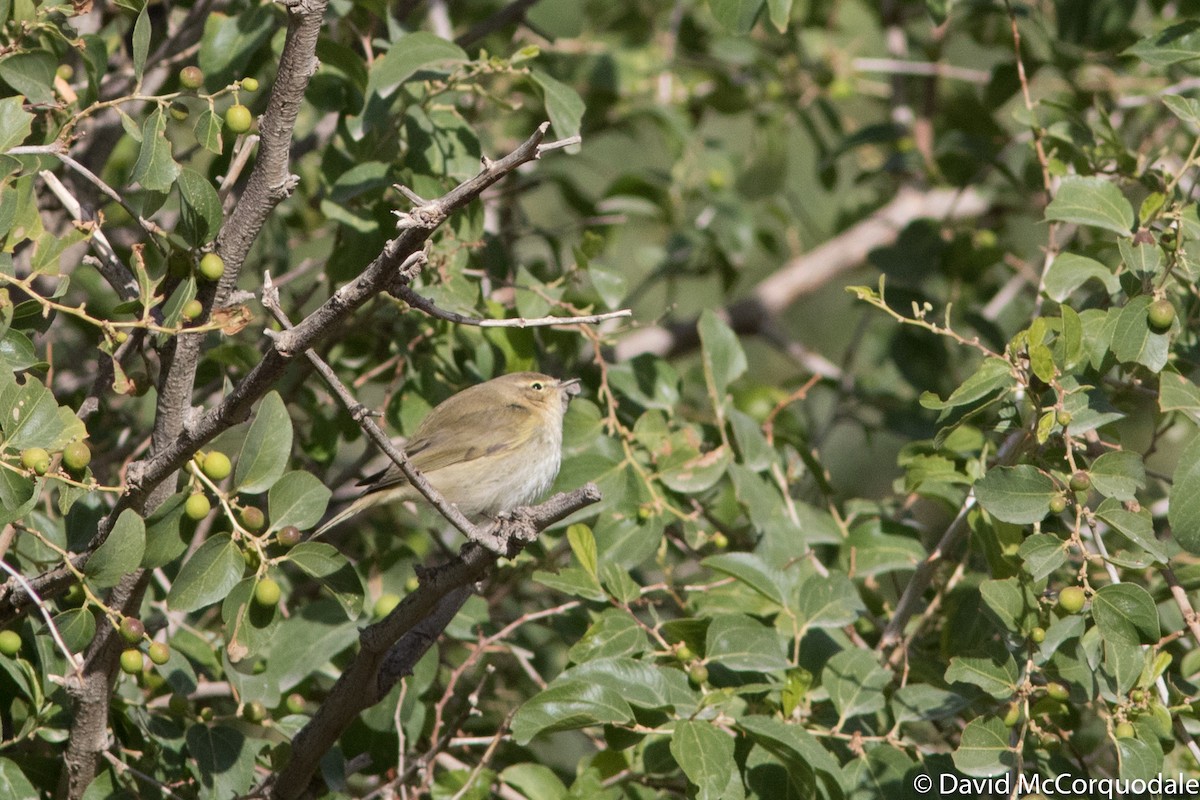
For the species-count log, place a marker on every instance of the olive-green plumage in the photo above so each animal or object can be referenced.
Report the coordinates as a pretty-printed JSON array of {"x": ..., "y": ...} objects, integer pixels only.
[{"x": 488, "y": 449}]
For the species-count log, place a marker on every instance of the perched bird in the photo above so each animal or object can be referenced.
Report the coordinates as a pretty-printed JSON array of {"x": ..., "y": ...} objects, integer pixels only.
[{"x": 488, "y": 449}]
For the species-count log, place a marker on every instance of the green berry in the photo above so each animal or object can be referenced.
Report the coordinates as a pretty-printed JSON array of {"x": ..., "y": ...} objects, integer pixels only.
[
  {"x": 178, "y": 110},
  {"x": 698, "y": 674},
  {"x": 65, "y": 71},
  {"x": 1011, "y": 715},
  {"x": 288, "y": 536},
  {"x": 132, "y": 630},
  {"x": 76, "y": 456},
  {"x": 385, "y": 604},
  {"x": 1057, "y": 691},
  {"x": 254, "y": 712},
  {"x": 685, "y": 654},
  {"x": 719, "y": 540},
  {"x": 1124, "y": 730},
  {"x": 207, "y": 714},
  {"x": 159, "y": 653},
  {"x": 1037, "y": 635},
  {"x": 132, "y": 661},
  {"x": 212, "y": 267},
  {"x": 197, "y": 507},
  {"x": 192, "y": 310},
  {"x": 238, "y": 118},
  {"x": 217, "y": 466},
  {"x": 10, "y": 643},
  {"x": 1071, "y": 599},
  {"x": 250, "y": 84},
  {"x": 1058, "y": 504},
  {"x": 1080, "y": 482},
  {"x": 121, "y": 337},
  {"x": 252, "y": 518},
  {"x": 412, "y": 584},
  {"x": 267, "y": 592},
  {"x": 191, "y": 77},
  {"x": 295, "y": 703},
  {"x": 1161, "y": 315},
  {"x": 1063, "y": 418},
  {"x": 179, "y": 704},
  {"x": 36, "y": 459}
]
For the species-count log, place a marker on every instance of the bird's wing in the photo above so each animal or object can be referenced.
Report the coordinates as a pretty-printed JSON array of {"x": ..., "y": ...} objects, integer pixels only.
[{"x": 440, "y": 440}]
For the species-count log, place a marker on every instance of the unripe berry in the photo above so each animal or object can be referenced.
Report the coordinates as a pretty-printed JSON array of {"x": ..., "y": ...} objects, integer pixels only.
[
  {"x": 1125, "y": 730},
  {"x": 254, "y": 712},
  {"x": 197, "y": 507},
  {"x": 252, "y": 518},
  {"x": 178, "y": 111},
  {"x": 288, "y": 536},
  {"x": 1011, "y": 715},
  {"x": 1058, "y": 504},
  {"x": 132, "y": 661},
  {"x": 1057, "y": 691},
  {"x": 295, "y": 703},
  {"x": 212, "y": 267},
  {"x": 385, "y": 604},
  {"x": 238, "y": 118},
  {"x": 36, "y": 459},
  {"x": 76, "y": 456},
  {"x": 698, "y": 674},
  {"x": 192, "y": 310},
  {"x": 159, "y": 653},
  {"x": 217, "y": 466},
  {"x": 191, "y": 77},
  {"x": 1063, "y": 418},
  {"x": 267, "y": 592},
  {"x": 1080, "y": 482},
  {"x": 1071, "y": 599},
  {"x": 132, "y": 630},
  {"x": 1161, "y": 315},
  {"x": 1037, "y": 635},
  {"x": 10, "y": 643},
  {"x": 250, "y": 84}
]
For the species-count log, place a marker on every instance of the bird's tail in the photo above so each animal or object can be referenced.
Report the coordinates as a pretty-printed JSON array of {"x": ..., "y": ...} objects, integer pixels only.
[{"x": 361, "y": 504}]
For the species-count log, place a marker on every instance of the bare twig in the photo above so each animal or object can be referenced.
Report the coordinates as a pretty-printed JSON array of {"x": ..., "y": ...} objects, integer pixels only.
[
  {"x": 415, "y": 300},
  {"x": 72, "y": 659}
]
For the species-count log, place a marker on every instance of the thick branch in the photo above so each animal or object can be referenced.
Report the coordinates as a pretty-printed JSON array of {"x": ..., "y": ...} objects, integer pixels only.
[
  {"x": 809, "y": 272},
  {"x": 362, "y": 684}
]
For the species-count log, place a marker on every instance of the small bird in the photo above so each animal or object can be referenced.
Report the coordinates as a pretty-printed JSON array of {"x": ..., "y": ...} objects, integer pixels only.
[{"x": 488, "y": 449}]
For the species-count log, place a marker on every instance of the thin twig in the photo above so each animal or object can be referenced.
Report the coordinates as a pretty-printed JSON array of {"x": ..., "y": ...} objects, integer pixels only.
[
  {"x": 75, "y": 661},
  {"x": 415, "y": 300}
]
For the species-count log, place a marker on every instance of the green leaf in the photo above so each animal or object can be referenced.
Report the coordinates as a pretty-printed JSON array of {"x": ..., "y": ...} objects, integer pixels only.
[
  {"x": 1137, "y": 760},
  {"x": 705, "y": 754},
  {"x": 1184, "y": 512},
  {"x": 572, "y": 581},
  {"x": 698, "y": 473},
  {"x": 166, "y": 539},
  {"x": 333, "y": 571},
  {"x": 1175, "y": 44},
  {"x": 1177, "y": 393},
  {"x": 995, "y": 673},
  {"x": 1119, "y": 474},
  {"x": 563, "y": 104},
  {"x": 829, "y": 602},
  {"x": 155, "y": 169},
  {"x": 993, "y": 375},
  {"x": 1137, "y": 527},
  {"x": 918, "y": 702},
  {"x": 31, "y": 74},
  {"x": 200, "y": 212},
  {"x": 15, "y": 124},
  {"x": 983, "y": 750},
  {"x": 141, "y": 43},
  {"x": 206, "y": 577},
  {"x": 1091, "y": 201},
  {"x": 298, "y": 498},
  {"x": 13, "y": 782},
  {"x": 1143, "y": 259},
  {"x": 77, "y": 626},
  {"x": 750, "y": 569},
  {"x": 614, "y": 634},
  {"x": 736, "y": 16},
  {"x": 31, "y": 417},
  {"x": 406, "y": 56},
  {"x": 1185, "y": 108},
  {"x": 1010, "y": 602},
  {"x": 569, "y": 705},
  {"x": 121, "y": 552},
  {"x": 267, "y": 447},
  {"x": 1043, "y": 553},
  {"x": 724, "y": 359},
  {"x": 742, "y": 644},
  {"x": 779, "y": 12},
  {"x": 793, "y": 745},
  {"x": 855, "y": 682},
  {"x": 1125, "y": 613},
  {"x": 641, "y": 684},
  {"x": 18, "y": 495},
  {"x": 1134, "y": 341},
  {"x": 249, "y": 626},
  {"x": 223, "y": 760},
  {"x": 583, "y": 545},
  {"x": 230, "y": 42},
  {"x": 208, "y": 131},
  {"x": 1019, "y": 494}
]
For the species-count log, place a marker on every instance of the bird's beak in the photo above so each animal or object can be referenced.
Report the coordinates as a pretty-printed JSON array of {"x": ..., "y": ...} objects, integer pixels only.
[{"x": 571, "y": 387}]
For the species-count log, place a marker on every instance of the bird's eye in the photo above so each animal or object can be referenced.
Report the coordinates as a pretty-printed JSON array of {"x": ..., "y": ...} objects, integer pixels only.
[{"x": 536, "y": 386}]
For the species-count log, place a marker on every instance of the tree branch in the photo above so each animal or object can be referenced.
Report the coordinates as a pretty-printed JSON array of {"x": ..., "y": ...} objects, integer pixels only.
[
  {"x": 363, "y": 684},
  {"x": 809, "y": 272}
]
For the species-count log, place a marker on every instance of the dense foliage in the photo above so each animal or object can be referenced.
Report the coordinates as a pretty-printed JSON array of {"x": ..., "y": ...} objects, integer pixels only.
[{"x": 941, "y": 524}]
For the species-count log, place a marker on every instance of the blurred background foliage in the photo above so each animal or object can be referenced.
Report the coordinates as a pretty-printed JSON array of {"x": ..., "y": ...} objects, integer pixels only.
[{"x": 777, "y": 456}]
